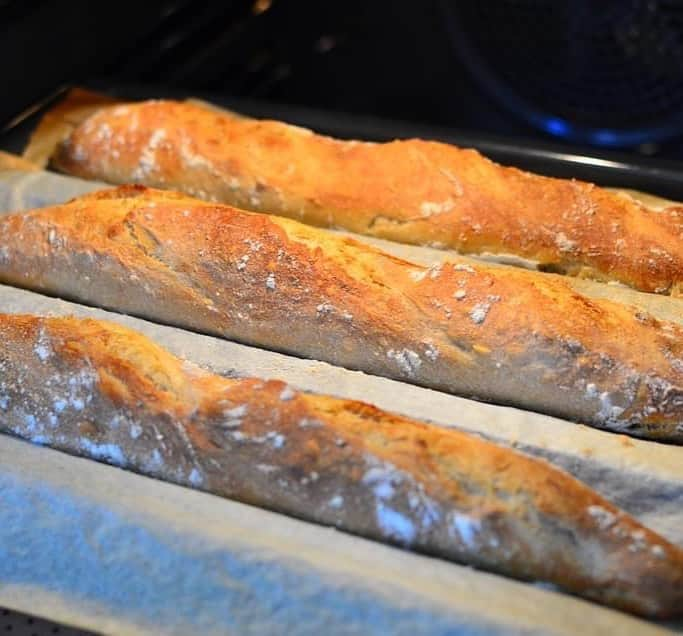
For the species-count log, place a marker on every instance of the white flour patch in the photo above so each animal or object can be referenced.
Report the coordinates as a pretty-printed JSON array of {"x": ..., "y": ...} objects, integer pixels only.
[
  {"x": 479, "y": 312},
  {"x": 466, "y": 528},
  {"x": 431, "y": 208},
  {"x": 431, "y": 352},
  {"x": 195, "y": 477},
  {"x": 604, "y": 518},
  {"x": 336, "y": 502},
  {"x": 42, "y": 348},
  {"x": 395, "y": 525},
  {"x": 408, "y": 361},
  {"x": 287, "y": 394},
  {"x": 242, "y": 263},
  {"x": 461, "y": 267},
  {"x": 238, "y": 411},
  {"x": 148, "y": 157},
  {"x": 323, "y": 309},
  {"x": 563, "y": 243},
  {"x": 107, "y": 452}
]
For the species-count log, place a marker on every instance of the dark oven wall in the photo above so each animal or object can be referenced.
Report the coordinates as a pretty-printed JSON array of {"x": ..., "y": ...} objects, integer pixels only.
[{"x": 606, "y": 74}]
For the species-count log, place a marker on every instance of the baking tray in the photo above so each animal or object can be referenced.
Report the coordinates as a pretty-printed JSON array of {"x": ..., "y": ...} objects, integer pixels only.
[{"x": 645, "y": 478}]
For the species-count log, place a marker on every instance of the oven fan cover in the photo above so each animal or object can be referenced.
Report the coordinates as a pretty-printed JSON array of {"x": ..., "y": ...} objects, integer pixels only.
[{"x": 608, "y": 73}]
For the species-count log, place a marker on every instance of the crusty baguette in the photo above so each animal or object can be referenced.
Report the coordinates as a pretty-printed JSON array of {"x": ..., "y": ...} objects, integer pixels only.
[
  {"x": 58, "y": 122},
  {"x": 98, "y": 389},
  {"x": 509, "y": 336},
  {"x": 414, "y": 191}
]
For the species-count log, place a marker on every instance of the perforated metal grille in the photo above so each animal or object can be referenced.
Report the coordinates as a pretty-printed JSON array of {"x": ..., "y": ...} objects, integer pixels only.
[
  {"x": 18, "y": 624},
  {"x": 11, "y": 9},
  {"x": 614, "y": 63}
]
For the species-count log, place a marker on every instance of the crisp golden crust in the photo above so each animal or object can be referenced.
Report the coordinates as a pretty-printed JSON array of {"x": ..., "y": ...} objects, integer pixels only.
[
  {"x": 508, "y": 336},
  {"x": 97, "y": 389},
  {"x": 412, "y": 191}
]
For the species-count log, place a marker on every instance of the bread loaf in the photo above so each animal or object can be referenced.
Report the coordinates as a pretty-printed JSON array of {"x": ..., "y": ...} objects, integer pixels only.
[
  {"x": 99, "y": 390},
  {"x": 414, "y": 191},
  {"x": 505, "y": 335}
]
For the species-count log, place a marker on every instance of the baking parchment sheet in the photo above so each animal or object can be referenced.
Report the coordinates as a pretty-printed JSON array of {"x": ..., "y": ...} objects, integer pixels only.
[
  {"x": 645, "y": 478},
  {"x": 111, "y": 551}
]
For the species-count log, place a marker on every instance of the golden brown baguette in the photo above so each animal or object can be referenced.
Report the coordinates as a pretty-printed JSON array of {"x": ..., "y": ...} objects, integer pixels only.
[
  {"x": 58, "y": 122},
  {"x": 100, "y": 390},
  {"x": 508, "y": 336},
  {"x": 414, "y": 191}
]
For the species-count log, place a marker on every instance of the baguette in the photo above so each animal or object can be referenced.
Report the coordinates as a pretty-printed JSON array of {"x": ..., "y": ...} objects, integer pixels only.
[
  {"x": 97, "y": 389},
  {"x": 414, "y": 191},
  {"x": 507, "y": 336}
]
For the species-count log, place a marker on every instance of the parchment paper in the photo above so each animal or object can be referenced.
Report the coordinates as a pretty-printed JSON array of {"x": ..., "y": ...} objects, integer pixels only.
[
  {"x": 112, "y": 551},
  {"x": 645, "y": 478}
]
